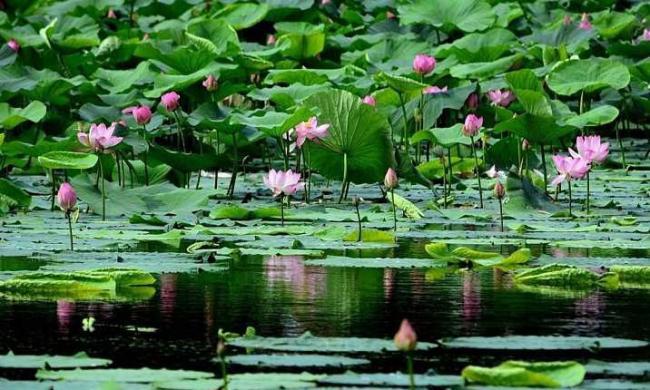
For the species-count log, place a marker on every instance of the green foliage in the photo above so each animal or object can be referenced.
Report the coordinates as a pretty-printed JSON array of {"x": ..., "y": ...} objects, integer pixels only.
[{"x": 535, "y": 374}]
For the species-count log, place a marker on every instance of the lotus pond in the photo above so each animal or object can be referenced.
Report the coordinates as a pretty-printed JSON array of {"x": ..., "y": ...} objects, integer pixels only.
[{"x": 282, "y": 194}]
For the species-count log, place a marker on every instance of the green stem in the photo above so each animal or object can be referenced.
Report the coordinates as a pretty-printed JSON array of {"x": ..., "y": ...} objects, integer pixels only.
[
  {"x": 235, "y": 167},
  {"x": 224, "y": 373},
  {"x": 179, "y": 130},
  {"x": 501, "y": 212},
  {"x": 478, "y": 172},
  {"x": 69, "y": 217},
  {"x": 620, "y": 146},
  {"x": 308, "y": 171},
  {"x": 53, "y": 188},
  {"x": 451, "y": 173},
  {"x": 146, "y": 156},
  {"x": 588, "y": 195},
  {"x": 570, "y": 199},
  {"x": 345, "y": 176},
  {"x": 356, "y": 204},
  {"x": 409, "y": 367},
  {"x": 282, "y": 209},
  {"x": 405, "y": 140},
  {"x": 101, "y": 178},
  {"x": 392, "y": 198},
  {"x": 544, "y": 167}
]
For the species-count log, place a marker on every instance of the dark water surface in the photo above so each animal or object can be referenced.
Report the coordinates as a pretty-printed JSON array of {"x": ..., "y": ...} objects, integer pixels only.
[{"x": 280, "y": 296}]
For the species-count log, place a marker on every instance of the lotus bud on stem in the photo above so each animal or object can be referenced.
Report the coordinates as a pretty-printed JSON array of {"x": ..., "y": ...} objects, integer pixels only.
[
  {"x": 500, "y": 193},
  {"x": 356, "y": 201},
  {"x": 390, "y": 182},
  {"x": 67, "y": 200},
  {"x": 406, "y": 340}
]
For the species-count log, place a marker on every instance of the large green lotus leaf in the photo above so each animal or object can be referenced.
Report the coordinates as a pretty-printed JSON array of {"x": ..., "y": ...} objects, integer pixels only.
[
  {"x": 633, "y": 274},
  {"x": 465, "y": 15},
  {"x": 12, "y": 195},
  {"x": 529, "y": 92},
  {"x": 309, "y": 343},
  {"x": 390, "y": 53},
  {"x": 355, "y": 262},
  {"x": 434, "y": 104},
  {"x": 288, "y": 96},
  {"x": 187, "y": 162},
  {"x": 306, "y": 40},
  {"x": 610, "y": 24},
  {"x": 57, "y": 361},
  {"x": 213, "y": 35},
  {"x": 178, "y": 82},
  {"x": 445, "y": 136},
  {"x": 313, "y": 76},
  {"x": 71, "y": 32},
  {"x": 129, "y": 375},
  {"x": 544, "y": 343},
  {"x": 246, "y": 381},
  {"x": 588, "y": 75},
  {"x": 394, "y": 380},
  {"x": 484, "y": 70},
  {"x": 479, "y": 47},
  {"x": 67, "y": 160},
  {"x": 158, "y": 199},
  {"x": 182, "y": 59},
  {"x": 571, "y": 38},
  {"x": 116, "y": 81},
  {"x": 555, "y": 275},
  {"x": 357, "y": 134},
  {"x": 596, "y": 117},
  {"x": 616, "y": 369},
  {"x": 636, "y": 50},
  {"x": 273, "y": 123},
  {"x": 295, "y": 361},
  {"x": 536, "y": 129},
  {"x": 519, "y": 373},
  {"x": 243, "y": 15},
  {"x": 506, "y": 13},
  {"x": 400, "y": 84},
  {"x": 11, "y": 117}
]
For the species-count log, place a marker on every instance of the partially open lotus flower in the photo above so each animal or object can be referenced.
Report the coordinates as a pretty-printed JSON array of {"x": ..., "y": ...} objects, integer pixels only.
[
  {"x": 66, "y": 198},
  {"x": 310, "y": 130},
  {"x": 501, "y": 98},
  {"x": 585, "y": 24},
  {"x": 14, "y": 45},
  {"x": 569, "y": 167},
  {"x": 424, "y": 64},
  {"x": 494, "y": 173},
  {"x": 369, "y": 100},
  {"x": 405, "y": 339},
  {"x": 433, "y": 90},
  {"x": 210, "y": 83},
  {"x": 170, "y": 100},
  {"x": 283, "y": 183},
  {"x": 100, "y": 138},
  {"x": 590, "y": 149},
  {"x": 472, "y": 125},
  {"x": 141, "y": 114},
  {"x": 499, "y": 190}
]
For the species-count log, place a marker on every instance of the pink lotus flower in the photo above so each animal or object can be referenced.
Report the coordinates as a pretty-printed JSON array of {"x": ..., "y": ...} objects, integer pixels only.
[
  {"x": 141, "y": 114},
  {"x": 472, "y": 102},
  {"x": 424, "y": 64},
  {"x": 499, "y": 190},
  {"x": 433, "y": 90},
  {"x": 66, "y": 198},
  {"x": 390, "y": 180},
  {"x": 369, "y": 100},
  {"x": 591, "y": 149},
  {"x": 100, "y": 138},
  {"x": 585, "y": 24},
  {"x": 646, "y": 35},
  {"x": 14, "y": 45},
  {"x": 210, "y": 83},
  {"x": 501, "y": 98},
  {"x": 310, "y": 130},
  {"x": 170, "y": 100},
  {"x": 568, "y": 168},
  {"x": 270, "y": 39},
  {"x": 283, "y": 183},
  {"x": 494, "y": 173},
  {"x": 472, "y": 125},
  {"x": 111, "y": 14},
  {"x": 405, "y": 339}
]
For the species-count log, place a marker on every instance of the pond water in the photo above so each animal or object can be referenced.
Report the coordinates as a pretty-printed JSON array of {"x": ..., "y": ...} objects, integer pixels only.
[{"x": 281, "y": 296}]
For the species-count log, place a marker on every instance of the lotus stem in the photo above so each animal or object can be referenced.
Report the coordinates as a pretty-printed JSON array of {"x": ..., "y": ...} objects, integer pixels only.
[
  {"x": 405, "y": 140},
  {"x": 588, "y": 190},
  {"x": 307, "y": 163},
  {"x": 53, "y": 189},
  {"x": 570, "y": 199},
  {"x": 179, "y": 131},
  {"x": 478, "y": 172},
  {"x": 620, "y": 146},
  {"x": 146, "y": 156},
  {"x": 544, "y": 167},
  {"x": 345, "y": 176},
  {"x": 282, "y": 210},
  {"x": 501, "y": 212},
  {"x": 356, "y": 204},
  {"x": 69, "y": 217},
  {"x": 451, "y": 173},
  {"x": 235, "y": 167},
  {"x": 392, "y": 198},
  {"x": 101, "y": 173},
  {"x": 409, "y": 367}
]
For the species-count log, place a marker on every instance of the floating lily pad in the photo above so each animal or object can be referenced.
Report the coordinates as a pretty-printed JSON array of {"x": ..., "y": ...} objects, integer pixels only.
[
  {"x": 56, "y": 362},
  {"x": 296, "y": 361},
  {"x": 391, "y": 380},
  {"x": 142, "y": 375},
  {"x": 544, "y": 343}
]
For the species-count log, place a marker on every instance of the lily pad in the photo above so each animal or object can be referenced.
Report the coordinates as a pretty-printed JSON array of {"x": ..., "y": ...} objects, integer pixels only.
[
  {"x": 301, "y": 361},
  {"x": 544, "y": 343},
  {"x": 56, "y": 362}
]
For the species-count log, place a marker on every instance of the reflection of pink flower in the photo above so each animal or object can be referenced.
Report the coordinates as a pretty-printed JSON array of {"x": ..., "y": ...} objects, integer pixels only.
[
  {"x": 568, "y": 168},
  {"x": 585, "y": 24},
  {"x": 433, "y": 90},
  {"x": 291, "y": 270},
  {"x": 64, "y": 312},
  {"x": 501, "y": 98},
  {"x": 283, "y": 183},
  {"x": 100, "y": 138},
  {"x": 310, "y": 130},
  {"x": 471, "y": 297},
  {"x": 167, "y": 294},
  {"x": 369, "y": 100},
  {"x": 424, "y": 64},
  {"x": 591, "y": 149}
]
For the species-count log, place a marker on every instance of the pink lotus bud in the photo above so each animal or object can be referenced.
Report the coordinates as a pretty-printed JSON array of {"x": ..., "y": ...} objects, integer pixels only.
[
  {"x": 646, "y": 35},
  {"x": 111, "y": 14},
  {"x": 585, "y": 24},
  {"x": 424, "y": 64},
  {"x": 390, "y": 180},
  {"x": 434, "y": 90},
  {"x": 141, "y": 114},
  {"x": 499, "y": 190},
  {"x": 66, "y": 197},
  {"x": 14, "y": 45},
  {"x": 472, "y": 102},
  {"x": 210, "y": 83},
  {"x": 525, "y": 145},
  {"x": 472, "y": 125},
  {"x": 170, "y": 100},
  {"x": 405, "y": 338},
  {"x": 369, "y": 100},
  {"x": 270, "y": 39}
]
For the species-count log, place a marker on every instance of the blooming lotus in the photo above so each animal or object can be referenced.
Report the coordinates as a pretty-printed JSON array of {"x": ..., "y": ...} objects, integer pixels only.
[
  {"x": 494, "y": 173},
  {"x": 369, "y": 100},
  {"x": 310, "y": 130},
  {"x": 585, "y": 24},
  {"x": 590, "y": 149},
  {"x": 472, "y": 125},
  {"x": 170, "y": 101},
  {"x": 14, "y": 45},
  {"x": 424, "y": 64},
  {"x": 646, "y": 35},
  {"x": 283, "y": 183},
  {"x": 100, "y": 138},
  {"x": 501, "y": 98},
  {"x": 568, "y": 168},
  {"x": 210, "y": 83},
  {"x": 433, "y": 90}
]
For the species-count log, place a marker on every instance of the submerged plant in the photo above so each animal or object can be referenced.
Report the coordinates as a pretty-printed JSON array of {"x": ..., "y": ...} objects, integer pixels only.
[
  {"x": 470, "y": 129},
  {"x": 406, "y": 340},
  {"x": 283, "y": 184},
  {"x": 67, "y": 200},
  {"x": 391, "y": 182}
]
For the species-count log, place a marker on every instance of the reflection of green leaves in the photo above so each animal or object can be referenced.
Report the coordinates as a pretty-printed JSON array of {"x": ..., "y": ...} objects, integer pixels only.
[
  {"x": 466, "y": 15},
  {"x": 588, "y": 75},
  {"x": 518, "y": 373}
]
